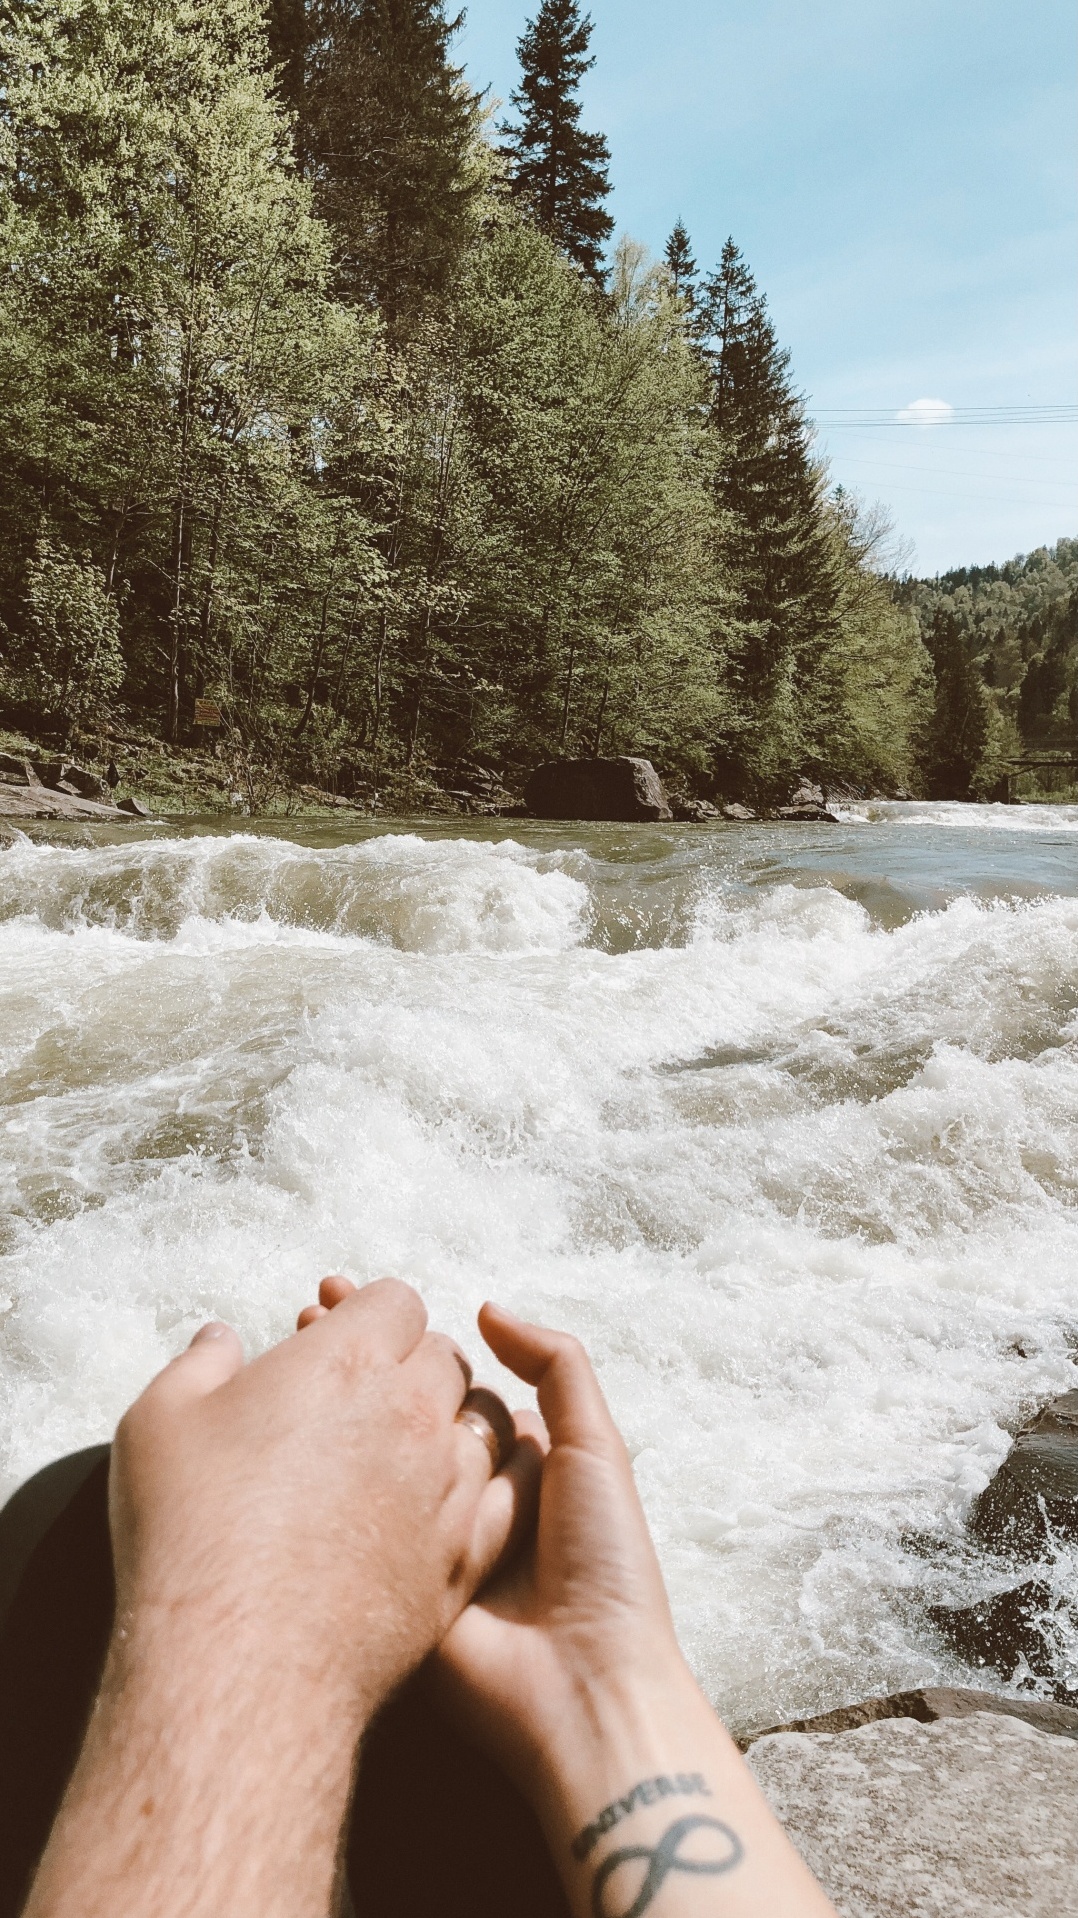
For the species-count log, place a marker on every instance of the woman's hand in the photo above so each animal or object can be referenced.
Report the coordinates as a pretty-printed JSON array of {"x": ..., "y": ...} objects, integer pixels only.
[
  {"x": 582, "y": 1609},
  {"x": 566, "y": 1667}
]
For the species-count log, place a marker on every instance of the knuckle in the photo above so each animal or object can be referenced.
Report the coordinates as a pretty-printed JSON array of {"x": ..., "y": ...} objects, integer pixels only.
[{"x": 571, "y": 1350}]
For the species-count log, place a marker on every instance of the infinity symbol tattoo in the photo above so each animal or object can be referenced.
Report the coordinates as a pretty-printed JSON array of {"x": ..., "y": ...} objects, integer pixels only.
[{"x": 662, "y": 1860}]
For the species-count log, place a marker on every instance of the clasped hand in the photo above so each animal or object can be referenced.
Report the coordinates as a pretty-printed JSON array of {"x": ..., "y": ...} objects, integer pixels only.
[
  {"x": 292, "y": 1538},
  {"x": 325, "y": 1501}
]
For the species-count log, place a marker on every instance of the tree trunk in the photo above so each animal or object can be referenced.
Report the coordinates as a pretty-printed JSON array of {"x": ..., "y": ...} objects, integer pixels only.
[{"x": 568, "y": 696}]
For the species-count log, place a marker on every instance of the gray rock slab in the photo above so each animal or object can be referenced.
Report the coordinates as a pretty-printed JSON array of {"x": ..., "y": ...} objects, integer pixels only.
[
  {"x": 40, "y": 802},
  {"x": 928, "y": 1703},
  {"x": 965, "y": 1818}
]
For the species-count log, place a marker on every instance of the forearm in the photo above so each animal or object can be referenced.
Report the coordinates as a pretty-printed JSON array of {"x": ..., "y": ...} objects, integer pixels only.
[
  {"x": 205, "y": 1785},
  {"x": 647, "y": 1804}
]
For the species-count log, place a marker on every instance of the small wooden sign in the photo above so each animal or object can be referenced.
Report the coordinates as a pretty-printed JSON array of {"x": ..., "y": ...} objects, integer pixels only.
[{"x": 207, "y": 713}]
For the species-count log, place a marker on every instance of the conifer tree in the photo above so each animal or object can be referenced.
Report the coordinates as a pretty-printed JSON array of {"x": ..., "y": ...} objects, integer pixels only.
[
  {"x": 958, "y": 746},
  {"x": 390, "y": 133},
  {"x": 777, "y": 542},
  {"x": 681, "y": 265},
  {"x": 559, "y": 171}
]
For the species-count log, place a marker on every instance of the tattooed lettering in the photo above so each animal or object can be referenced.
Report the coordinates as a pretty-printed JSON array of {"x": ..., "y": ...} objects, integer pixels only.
[
  {"x": 659, "y": 1861},
  {"x": 682, "y": 1784}
]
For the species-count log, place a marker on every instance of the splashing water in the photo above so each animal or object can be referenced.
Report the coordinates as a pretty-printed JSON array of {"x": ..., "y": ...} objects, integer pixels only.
[{"x": 783, "y": 1122}]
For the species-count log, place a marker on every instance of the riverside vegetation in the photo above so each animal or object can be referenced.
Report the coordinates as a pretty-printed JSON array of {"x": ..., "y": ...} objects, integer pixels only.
[{"x": 323, "y": 401}]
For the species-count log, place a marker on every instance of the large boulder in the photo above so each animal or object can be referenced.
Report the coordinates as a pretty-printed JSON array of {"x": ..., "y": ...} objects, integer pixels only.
[
  {"x": 965, "y": 1818},
  {"x": 596, "y": 789}
]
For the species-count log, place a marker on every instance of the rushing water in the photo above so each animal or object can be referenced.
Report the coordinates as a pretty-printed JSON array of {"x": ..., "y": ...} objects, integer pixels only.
[{"x": 782, "y": 1121}]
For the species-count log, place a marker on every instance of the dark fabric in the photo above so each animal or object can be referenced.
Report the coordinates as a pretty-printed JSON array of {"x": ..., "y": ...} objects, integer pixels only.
[
  {"x": 52, "y": 1647},
  {"x": 436, "y": 1828}
]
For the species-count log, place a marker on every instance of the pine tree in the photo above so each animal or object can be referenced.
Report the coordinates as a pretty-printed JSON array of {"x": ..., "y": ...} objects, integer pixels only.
[
  {"x": 681, "y": 265},
  {"x": 390, "y": 132},
  {"x": 777, "y": 544},
  {"x": 558, "y": 170},
  {"x": 957, "y": 751}
]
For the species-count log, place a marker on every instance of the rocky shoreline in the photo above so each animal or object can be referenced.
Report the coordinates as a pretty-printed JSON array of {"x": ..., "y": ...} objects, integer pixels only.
[{"x": 143, "y": 777}]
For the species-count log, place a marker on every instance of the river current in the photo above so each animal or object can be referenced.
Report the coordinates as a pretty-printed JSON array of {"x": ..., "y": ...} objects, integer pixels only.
[{"x": 782, "y": 1121}]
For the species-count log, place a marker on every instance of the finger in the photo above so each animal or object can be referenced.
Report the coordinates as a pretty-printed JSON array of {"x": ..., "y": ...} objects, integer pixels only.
[
  {"x": 441, "y": 1370},
  {"x": 386, "y": 1316},
  {"x": 214, "y": 1356},
  {"x": 508, "y": 1506},
  {"x": 309, "y": 1314},
  {"x": 334, "y": 1290},
  {"x": 568, "y": 1391}
]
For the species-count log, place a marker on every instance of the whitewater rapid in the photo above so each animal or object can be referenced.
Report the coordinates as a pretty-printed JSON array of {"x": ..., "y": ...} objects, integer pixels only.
[{"x": 786, "y": 1128}]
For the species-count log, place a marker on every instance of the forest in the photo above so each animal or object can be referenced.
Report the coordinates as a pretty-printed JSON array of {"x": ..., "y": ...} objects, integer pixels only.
[{"x": 325, "y": 397}]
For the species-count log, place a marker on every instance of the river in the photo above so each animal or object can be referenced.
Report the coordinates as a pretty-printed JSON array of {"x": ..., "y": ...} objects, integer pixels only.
[{"x": 783, "y": 1121}]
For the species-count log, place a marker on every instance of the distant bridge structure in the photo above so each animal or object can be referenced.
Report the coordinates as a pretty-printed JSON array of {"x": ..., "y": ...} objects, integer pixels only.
[{"x": 1066, "y": 762}]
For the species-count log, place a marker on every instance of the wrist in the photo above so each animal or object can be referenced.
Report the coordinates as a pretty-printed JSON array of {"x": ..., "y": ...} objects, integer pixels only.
[
  {"x": 613, "y": 1725},
  {"x": 196, "y": 1751}
]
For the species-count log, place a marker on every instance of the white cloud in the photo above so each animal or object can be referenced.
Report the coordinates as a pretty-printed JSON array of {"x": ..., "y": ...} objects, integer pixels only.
[{"x": 926, "y": 413}]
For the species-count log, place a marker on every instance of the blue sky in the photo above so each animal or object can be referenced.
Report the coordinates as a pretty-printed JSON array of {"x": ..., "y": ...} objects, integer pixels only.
[{"x": 900, "y": 175}]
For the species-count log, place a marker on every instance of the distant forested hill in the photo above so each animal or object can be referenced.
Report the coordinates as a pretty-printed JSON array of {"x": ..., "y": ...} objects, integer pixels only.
[
  {"x": 324, "y": 400},
  {"x": 1017, "y": 627}
]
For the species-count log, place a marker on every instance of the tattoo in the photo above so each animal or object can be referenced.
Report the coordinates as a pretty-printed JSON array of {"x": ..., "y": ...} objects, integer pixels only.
[
  {"x": 660, "y": 1861},
  {"x": 683, "y": 1784}
]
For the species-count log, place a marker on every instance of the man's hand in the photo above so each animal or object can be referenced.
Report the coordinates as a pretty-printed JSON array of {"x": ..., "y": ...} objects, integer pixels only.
[
  {"x": 291, "y": 1539},
  {"x": 320, "y": 1505}
]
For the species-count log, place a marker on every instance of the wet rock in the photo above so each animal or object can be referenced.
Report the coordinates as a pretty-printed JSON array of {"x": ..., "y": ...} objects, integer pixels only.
[
  {"x": 1011, "y": 1630},
  {"x": 625, "y": 788},
  {"x": 809, "y": 810},
  {"x": 964, "y": 1818},
  {"x": 929, "y": 1703},
  {"x": 737, "y": 811},
  {"x": 134, "y": 807},
  {"x": 694, "y": 812},
  {"x": 63, "y": 775},
  {"x": 1033, "y": 1497}
]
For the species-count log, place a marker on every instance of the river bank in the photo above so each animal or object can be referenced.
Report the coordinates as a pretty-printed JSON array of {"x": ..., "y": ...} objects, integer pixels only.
[{"x": 221, "y": 779}]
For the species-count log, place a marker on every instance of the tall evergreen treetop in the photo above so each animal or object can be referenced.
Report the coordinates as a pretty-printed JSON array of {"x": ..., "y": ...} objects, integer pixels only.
[
  {"x": 680, "y": 264},
  {"x": 559, "y": 170},
  {"x": 389, "y": 130}
]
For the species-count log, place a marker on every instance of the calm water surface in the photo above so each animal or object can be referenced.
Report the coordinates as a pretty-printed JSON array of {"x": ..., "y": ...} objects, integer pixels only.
[{"x": 783, "y": 1121}]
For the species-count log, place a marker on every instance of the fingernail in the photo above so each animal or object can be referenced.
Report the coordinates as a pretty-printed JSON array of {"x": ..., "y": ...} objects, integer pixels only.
[{"x": 213, "y": 1331}]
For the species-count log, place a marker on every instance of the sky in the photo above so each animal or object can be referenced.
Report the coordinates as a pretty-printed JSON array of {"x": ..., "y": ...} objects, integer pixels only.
[{"x": 902, "y": 177}]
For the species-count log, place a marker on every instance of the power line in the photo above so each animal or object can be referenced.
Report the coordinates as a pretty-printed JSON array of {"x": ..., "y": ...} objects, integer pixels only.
[{"x": 838, "y": 418}]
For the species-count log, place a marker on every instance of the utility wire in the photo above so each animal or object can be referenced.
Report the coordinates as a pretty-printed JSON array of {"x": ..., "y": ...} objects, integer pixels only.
[{"x": 836, "y": 418}]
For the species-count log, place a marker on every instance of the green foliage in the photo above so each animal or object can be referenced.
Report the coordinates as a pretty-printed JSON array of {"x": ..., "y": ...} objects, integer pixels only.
[
  {"x": 168, "y": 284},
  {"x": 559, "y": 171},
  {"x": 962, "y": 737},
  {"x": 390, "y": 135},
  {"x": 69, "y": 649},
  {"x": 680, "y": 265},
  {"x": 1019, "y": 622},
  {"x": 776, "y": 537},
  {"x": 302, "y": 410}
]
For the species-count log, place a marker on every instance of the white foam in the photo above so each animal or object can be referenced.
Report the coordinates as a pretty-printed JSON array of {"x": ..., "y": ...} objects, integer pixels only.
[{"x": 804, "y": 1186}]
